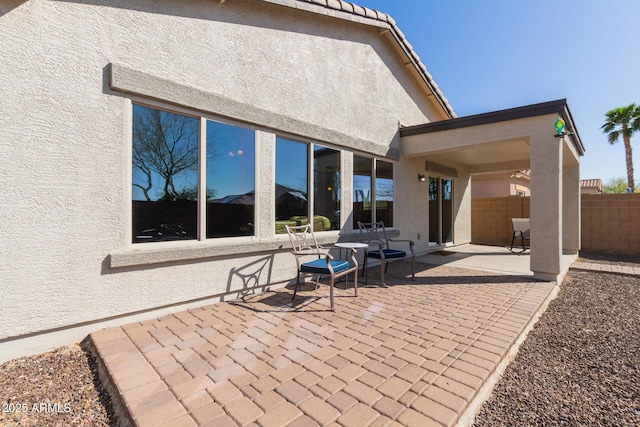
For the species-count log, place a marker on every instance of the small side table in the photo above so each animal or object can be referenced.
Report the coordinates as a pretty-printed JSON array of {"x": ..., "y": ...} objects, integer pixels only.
[{"x": 349, "y": 245}]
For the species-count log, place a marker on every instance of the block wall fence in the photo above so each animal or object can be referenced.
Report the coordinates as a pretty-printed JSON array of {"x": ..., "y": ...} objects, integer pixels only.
[
  {"x": 610, "y": 222},
  {"x": 491, "y": 218}
]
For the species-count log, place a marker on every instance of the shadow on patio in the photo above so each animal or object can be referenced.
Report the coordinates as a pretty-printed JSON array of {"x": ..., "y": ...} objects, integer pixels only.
[{"x": 417, "y": 353}]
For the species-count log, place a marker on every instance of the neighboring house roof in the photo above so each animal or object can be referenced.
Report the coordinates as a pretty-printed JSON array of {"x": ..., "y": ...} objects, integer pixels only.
[
  {"x": 591, "y": 183},
  {"x": 353, "y": 12},
  {"x": 249, "y": 198},
  {"x": 237, "y": 199}
]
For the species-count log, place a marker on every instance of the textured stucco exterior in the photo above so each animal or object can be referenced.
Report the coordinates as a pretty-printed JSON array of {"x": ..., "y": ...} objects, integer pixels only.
[
  {"x": 318, "y": 72},
  {"x": 68, "y": 74},
  {"x": 498, "y": 184}
]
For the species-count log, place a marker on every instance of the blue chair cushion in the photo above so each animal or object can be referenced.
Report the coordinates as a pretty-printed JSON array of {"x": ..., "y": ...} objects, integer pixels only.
[
  {"x": 319, "y": 266},
  {"x": 388, "y": 254}
]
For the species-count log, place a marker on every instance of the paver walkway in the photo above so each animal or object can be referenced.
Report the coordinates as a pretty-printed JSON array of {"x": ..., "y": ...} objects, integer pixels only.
[
  {"x": 415, "y": 353},
  {"x": 606, "y": 268}
]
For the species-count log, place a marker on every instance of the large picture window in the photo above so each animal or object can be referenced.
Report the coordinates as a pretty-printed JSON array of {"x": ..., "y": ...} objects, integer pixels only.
[
  {"x": 384, "y": 192},
  {"x": 326, "y": 188},
  {"x": 372, "y": 187},
  {"x": 362, "y": 187},
  {"x": 167, "y": 161},
  {"x": 292, "y": 184},
  {"x": 230, "y": 180},
  {"x": 293, "y": 178}
]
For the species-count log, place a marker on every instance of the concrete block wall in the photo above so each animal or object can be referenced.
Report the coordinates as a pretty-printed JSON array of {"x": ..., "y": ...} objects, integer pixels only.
[
  {"x": 491, "y": 218},
  {"x": 611, "y": 223}
]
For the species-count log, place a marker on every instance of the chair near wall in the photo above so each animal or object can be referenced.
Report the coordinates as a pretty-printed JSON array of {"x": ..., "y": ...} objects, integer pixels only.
[
  {"x": 375, "y": 234},
  {"x": 521, "y": 228},
  {"x": 305, "y": 246}
]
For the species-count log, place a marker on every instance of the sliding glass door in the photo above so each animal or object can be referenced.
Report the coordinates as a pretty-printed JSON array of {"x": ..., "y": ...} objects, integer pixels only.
[{"x": 440, "y": 211}]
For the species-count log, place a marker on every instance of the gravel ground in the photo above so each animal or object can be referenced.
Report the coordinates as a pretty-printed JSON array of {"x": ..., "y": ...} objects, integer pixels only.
[
  {"x": 580, "y": 366},
  {"x": 59, "y": 388},
  {"x": 595, "y": 257}
]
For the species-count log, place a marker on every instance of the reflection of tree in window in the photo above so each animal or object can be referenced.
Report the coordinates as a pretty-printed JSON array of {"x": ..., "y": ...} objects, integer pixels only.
[
  {"x": 165, "y": 146},
  {"x": 164, "y": 175}
]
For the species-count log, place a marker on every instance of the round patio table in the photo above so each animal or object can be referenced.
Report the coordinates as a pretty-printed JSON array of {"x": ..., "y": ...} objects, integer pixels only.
[{"x": 349, "y": 245}]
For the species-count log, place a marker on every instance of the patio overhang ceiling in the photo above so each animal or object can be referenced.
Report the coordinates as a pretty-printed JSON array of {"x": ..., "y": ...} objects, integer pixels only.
[{"x": 495, "y": 141}]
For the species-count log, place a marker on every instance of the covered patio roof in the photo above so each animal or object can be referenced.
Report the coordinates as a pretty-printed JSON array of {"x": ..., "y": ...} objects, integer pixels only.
[
  {"x": 493, "y": 141},
  {"x": 513, "y": 139}
]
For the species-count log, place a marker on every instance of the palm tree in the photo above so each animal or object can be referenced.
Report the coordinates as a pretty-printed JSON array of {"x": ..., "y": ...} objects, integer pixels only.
[{"x": 623, "y": 121}]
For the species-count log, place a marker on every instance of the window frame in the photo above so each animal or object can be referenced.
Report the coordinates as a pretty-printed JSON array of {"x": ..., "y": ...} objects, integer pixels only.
[
  {"x": 202, "y": 118},
  {"x": 310, "y": 145},
  {"x": 374, "y": 190}
]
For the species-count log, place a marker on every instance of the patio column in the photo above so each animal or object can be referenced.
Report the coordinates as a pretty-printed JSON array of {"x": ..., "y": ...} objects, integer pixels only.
[
  {"x": 546, "y": 206},
  {"x": 571, "y": 209}
]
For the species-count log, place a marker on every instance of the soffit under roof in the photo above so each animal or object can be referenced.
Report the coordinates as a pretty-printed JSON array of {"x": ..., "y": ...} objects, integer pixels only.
[{"x": 493, "y": 141}]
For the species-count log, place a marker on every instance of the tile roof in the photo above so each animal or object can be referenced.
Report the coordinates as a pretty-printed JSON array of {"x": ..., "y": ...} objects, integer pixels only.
[
  {"x": 351, "y": 11},
  {"x": 591, "y": 183}
]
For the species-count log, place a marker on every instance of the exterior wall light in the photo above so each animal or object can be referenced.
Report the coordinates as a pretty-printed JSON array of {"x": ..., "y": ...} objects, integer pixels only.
[{"x": 421, "y": 178}]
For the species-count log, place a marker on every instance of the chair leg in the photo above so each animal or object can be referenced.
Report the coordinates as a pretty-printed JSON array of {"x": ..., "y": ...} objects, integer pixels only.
[
  {"x": 295, "y": 290},
  {"x": 413, "y": 268},
  {"x": 364, "y": 266},
  {"x": 522, "y": 240},
  {"x": 355, "y": 283},
  {"x": 383, "y": 268},
  {"x": 331, "y": 294},
  {"x": 512, "y": 240}
]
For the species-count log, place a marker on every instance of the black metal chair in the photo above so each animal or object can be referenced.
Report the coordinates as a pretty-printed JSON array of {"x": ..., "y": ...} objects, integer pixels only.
[
  {"x": 375, "y": 234},
  {"x": 304, "y": 245}
]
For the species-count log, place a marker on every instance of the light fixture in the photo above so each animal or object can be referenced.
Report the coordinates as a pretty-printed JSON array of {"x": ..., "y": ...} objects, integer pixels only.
[
  {"x": 559, "y": 127},
  {"x": 421, "y": 178}
]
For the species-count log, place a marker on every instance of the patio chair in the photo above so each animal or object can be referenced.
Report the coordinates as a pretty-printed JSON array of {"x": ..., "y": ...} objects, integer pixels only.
[
  {"x": 304, "y": 245},
  {"x": 375, "y": 234},
  {"x": 520, "y": 227}
]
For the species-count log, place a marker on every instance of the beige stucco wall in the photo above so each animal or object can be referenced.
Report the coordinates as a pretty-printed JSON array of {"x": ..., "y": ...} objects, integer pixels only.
[
  {"x": 63, "y": 140},
  {"x": 413, "y": 198},
  {"x": 589, "y": 190},
  {"x": 499, "y": 185},
  {"x": 494, "y": 187}
]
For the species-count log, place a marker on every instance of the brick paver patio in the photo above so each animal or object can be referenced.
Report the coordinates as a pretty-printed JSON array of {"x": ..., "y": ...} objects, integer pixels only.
[{"x": 415, "y": 353}]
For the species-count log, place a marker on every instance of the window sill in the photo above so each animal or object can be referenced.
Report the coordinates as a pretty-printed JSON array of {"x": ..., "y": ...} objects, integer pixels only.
[
  {"x": 150, "y": 253},
  {"x": 147, "y": 254}
]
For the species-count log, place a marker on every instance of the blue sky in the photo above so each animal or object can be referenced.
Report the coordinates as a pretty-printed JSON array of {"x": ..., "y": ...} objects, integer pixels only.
[{"x": 496, "y": 54}]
